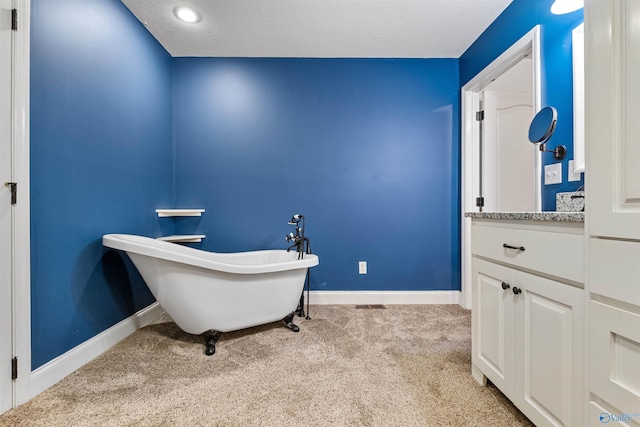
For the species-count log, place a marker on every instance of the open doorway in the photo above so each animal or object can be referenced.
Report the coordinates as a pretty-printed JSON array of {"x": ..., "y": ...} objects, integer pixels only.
[
  {"x": 489, "y": 172},
  {"x": 509, "y": 160}
]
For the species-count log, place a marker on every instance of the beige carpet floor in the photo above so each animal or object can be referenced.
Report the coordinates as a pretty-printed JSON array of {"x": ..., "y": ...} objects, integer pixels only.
[{"x": 399, "y": 366}]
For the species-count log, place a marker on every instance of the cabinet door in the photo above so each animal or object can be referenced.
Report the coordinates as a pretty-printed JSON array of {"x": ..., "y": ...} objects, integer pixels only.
[
  {"x": 613, "y": 106},
  {"x": 492, "y": 323},
  {"x": 614, "y": 365},
  {"x": 549, "y": 340}
]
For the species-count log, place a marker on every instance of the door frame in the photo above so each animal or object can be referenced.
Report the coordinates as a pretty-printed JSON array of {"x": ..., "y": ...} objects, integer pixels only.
[
  {"x": 21, "y": 234},
  {"x": 529, "y": 44}
]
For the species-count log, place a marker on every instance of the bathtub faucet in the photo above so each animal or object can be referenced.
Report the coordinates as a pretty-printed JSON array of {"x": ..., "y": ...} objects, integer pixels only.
[
  {"x": 300, "y": 242},
  {"x": 303, "y": 246}
]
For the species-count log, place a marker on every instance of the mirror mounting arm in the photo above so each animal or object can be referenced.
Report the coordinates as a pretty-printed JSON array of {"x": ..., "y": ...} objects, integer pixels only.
[{"x": 560, "y": 152}]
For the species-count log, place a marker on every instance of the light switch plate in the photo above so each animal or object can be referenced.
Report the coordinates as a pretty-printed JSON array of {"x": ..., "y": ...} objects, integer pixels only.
[{"x": 553, "y": 174}]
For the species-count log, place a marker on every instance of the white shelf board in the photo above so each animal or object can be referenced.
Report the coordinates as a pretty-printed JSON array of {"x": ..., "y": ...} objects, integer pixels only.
[
  {"x": 179, "y": 212},
  {"x": 183, "y": 238}
]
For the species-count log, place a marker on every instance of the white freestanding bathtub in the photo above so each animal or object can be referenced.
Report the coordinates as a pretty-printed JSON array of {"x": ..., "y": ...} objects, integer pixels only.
[{"x": 217, "y": 292}]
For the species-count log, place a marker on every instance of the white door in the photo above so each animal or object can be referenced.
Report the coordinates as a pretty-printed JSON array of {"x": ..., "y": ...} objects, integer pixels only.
[
  {"x": 6, "y": 214},
  {"x": 509, "y": 160}
]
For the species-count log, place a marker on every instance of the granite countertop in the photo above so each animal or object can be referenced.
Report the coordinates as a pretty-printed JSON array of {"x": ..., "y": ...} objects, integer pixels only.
[{"x": 530, "y": 216}]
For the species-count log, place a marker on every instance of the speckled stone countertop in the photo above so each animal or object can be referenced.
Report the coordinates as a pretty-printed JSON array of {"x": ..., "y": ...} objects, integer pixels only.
[{"x": 530, "y": 216}]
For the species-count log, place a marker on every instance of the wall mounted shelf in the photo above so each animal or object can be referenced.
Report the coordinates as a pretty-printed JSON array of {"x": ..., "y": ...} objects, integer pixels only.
[
  {"x": 181, "y": 238},
  {"x": 162, "y": 213},
  {"x": 184, "y": 238}
]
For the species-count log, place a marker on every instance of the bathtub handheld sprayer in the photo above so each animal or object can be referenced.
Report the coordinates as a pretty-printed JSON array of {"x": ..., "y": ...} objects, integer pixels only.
[{"x": 303, "y": 246}]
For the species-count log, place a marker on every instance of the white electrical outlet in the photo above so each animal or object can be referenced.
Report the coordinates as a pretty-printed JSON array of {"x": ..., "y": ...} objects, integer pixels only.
[
  {"x": 573, "y": 176},
  {"x": 362, "y": 267},
  {"x": 553, "y": 174}
]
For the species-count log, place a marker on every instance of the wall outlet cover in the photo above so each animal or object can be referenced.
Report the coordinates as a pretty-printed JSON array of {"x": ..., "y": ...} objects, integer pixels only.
[
  {"x": 362, "y": 267},
  {"x": 572, "y": 175}
]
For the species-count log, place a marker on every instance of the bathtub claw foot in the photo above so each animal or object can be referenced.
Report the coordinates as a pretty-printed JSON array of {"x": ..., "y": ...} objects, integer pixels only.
[
  {"x": 211, "y": 339},
  {"x": 293, "y": 327},
  {"x": 288, "y": 322}
]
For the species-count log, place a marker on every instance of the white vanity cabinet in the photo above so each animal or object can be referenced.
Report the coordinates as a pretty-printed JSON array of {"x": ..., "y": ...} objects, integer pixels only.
[
  {"x": 528, "y": 316},
  {"x": 612, "y": 64}
]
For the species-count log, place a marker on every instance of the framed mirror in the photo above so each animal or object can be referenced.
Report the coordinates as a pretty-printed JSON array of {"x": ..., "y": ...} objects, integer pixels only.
[{"x": 577, "y": 37}]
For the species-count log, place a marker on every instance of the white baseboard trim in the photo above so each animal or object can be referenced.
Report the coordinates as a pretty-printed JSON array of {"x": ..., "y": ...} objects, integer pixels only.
[
  {"x": 384, "y": 297},
  {"x": 65, "y": 364}
]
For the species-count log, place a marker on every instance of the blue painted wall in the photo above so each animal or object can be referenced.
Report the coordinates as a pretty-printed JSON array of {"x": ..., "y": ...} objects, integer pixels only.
[
  {"x": 366, "y": 149},
  {"x": 557, "y": 87},
  {"x": 101, "y": 162}
]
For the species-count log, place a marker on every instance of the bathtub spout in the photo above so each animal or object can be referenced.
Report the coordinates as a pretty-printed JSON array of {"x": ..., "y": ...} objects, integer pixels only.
[
  {"x": 288, "y": 321},
  {"x": 211, "y": 338}
]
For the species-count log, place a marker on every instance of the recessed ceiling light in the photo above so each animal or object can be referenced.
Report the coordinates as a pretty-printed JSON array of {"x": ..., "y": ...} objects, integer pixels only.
[
  {"x": 560, "y": 7},
  {"x": 186, "y": 14}
]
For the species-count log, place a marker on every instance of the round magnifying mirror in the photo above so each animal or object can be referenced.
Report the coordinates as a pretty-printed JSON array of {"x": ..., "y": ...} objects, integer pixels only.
[{"x": 543, "y": 125}]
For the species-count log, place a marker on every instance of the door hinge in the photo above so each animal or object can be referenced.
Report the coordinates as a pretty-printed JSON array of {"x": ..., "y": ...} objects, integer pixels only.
[
  {"x": 480, "y": 116},
  {"x": 14, "y": 191},
  {"x": 14, "y": 19},
  {"x": 14, "y": 368}
]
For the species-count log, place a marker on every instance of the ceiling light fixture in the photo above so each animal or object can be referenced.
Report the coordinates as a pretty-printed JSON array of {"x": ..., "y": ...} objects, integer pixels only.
[
  {"x": 560, "y": 7},
  {"x": 186, "y": 14}
]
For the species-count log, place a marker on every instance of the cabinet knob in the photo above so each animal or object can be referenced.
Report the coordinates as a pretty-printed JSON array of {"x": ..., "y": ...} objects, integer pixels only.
[
  {"x": 505, "y": 286},
  {"x": 516, "y": 291}
]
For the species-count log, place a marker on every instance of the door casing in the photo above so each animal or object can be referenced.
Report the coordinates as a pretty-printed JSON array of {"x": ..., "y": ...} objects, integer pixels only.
[
  {"x": 21, "y": 225},
  {"x": 528, "y": 45},
  {"x": 6, "y": 208}
]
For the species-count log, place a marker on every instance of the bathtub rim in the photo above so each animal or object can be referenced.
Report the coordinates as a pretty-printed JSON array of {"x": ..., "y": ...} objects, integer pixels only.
[{"x": 151, "y": 247}]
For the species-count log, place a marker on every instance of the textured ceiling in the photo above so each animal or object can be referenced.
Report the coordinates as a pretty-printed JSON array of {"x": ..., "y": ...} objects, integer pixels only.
[{"x": 320, "y": 28}]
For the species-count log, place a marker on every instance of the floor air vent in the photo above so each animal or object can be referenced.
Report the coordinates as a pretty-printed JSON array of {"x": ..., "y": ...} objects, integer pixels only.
[{"x": 371, "y": 306}]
